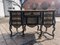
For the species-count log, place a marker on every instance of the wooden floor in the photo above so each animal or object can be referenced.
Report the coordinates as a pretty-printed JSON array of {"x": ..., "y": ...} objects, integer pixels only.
[{"x": 29, "y": 35}]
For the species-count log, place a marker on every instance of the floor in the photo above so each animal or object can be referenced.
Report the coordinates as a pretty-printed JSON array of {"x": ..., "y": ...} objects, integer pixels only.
[{"x": 30, "y": 35}]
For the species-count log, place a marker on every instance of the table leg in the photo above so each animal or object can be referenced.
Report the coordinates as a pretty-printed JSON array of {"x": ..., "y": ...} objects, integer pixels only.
[
  {"x": 46, "y": 29},
  {"x": 37, "y": 27},
  {"x": 53, "y": 31},
  {"x": 10, "y": 30},
  {"x": 40, "y": 35},
  {"x": 24, "y": 29}
]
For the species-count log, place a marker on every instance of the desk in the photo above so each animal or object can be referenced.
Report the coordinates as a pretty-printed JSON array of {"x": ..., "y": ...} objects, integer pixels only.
[{"x": 36, "y": 17}]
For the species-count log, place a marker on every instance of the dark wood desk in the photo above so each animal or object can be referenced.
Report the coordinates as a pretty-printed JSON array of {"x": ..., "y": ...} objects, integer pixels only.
[{"x": 32, "y": 18}]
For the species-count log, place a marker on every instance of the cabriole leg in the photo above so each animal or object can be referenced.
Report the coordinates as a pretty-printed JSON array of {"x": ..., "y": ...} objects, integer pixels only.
[
  {"x": 10, "y": 30},
  {"x": 24, "y": 29},
  {"x": 46, "y": 29},
  {"x": 40, "y": 32},
  {"x": 37, "y": 27},
  {"x": 53, "y": 31}
]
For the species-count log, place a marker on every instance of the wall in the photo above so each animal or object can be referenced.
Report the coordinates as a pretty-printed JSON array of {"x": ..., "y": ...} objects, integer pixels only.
[
  {"x": 1, "y": 9},
  {"x": 54, "y": 4},
  {"x": 4, "y": 8},
  {"x": 7, "y": 6},
  {"x": 29, "y": 2},
  {"x": 15, "y": 6},
  {"x": 10, "y": 5}
]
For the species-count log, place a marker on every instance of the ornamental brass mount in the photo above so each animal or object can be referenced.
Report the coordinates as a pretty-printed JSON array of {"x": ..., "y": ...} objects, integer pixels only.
[{"x": 32, "y": 18}]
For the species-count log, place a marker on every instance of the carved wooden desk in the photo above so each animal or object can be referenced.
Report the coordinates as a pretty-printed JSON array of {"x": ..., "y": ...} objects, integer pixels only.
[{"x": 32, "y": 18}]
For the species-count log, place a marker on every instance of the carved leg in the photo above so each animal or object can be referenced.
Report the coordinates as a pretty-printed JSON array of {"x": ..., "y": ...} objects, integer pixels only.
[
  {"x": 10, "y": 30},
  {"x": 38, "y": 28},
  {"x": 53, "y": 31},
  {"x": 17, "y": 30},
  {"x": 46, "y": 29},
  {"x": 41, "y": 32},
  {"x": 24, "y": 28}
]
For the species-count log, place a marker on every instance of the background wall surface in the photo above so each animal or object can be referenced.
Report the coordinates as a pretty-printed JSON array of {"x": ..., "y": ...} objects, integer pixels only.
[
  {"x": 54, "y": 4},
  {"x": 5, "y": 5},
  {"x": 1, "y": 9}
]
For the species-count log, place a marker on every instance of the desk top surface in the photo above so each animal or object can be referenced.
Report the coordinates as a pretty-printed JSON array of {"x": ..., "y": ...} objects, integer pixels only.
[{"x": 32, "y": 10}]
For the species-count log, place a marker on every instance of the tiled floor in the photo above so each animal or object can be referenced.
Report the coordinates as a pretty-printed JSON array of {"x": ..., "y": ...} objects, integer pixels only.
[{"x": 30, "y": 35}]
